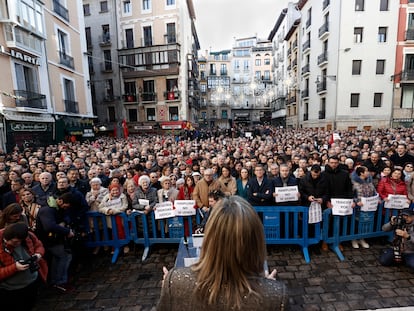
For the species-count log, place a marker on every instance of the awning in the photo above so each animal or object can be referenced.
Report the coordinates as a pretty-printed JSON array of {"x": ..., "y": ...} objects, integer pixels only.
[{"x": 19, "y": 116}]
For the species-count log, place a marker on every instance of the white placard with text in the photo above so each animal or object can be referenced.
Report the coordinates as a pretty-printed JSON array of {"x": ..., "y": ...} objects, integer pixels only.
[
  {"x": 342, "y": 207},
  {"x": 184, "y": 207},
  {"x": 286, "y": 194},
  {"x": 164, "y": 210},
  {"x": 369, "y": 204},
  {"x": 397, "y": 201}
]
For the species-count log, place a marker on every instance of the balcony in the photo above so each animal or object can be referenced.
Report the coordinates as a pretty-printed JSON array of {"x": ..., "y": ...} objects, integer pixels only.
[
  {"x": 305, "y": 93},
  {"x": 306, "y": 46},
  {"x": 292, "y": 99},
  {"x": 308, "y": 23},
  {"x": 294, "y": 63},
  {"x": 66, "y": 60},
  {"x": 409, "y": 34},
  {"x": 289, "y": 52},
  {"x": 71, "y": 106},
  {"x": 323, "y": 58},
  {"x": 149, "y": 61},
  {"x": 148, "y": 97},
  {"x": 106, "y": 67},
  {"x": 324, "y": 30},
  {"x": 173, "y": 95},
  {"x": 321, "y": 87},
  {"x": 305, "y": 116},
  {"x": 305, "y": 69},
  {"x": 321, "y": 114},
  {"x": 60, "y": 10},
  {"x": 325, "y": 4},
  {"x": 223, "y": 72},
  {"x": 130, "y": 98},
  {"x": 289, "y": 67},
  {"x": 105, "y": 40},
  {"x": 407, "y": 75},
  {"x": 27, "y": 99},
  {"x": 295, "y": 45}
]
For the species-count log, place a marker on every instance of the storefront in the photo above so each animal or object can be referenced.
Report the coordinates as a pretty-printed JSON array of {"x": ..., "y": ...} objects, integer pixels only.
[
  {"x": 74, "y": 129},
  {"x": 28, "y": 130}
]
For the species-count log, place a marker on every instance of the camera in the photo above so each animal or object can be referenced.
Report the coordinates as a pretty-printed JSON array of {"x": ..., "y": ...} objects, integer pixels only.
[
  {"x": 32, "y": 262},
  {"x": 399, "y": 223}
]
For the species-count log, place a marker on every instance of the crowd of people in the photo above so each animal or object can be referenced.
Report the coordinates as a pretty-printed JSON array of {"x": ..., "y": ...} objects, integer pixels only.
[{"x": 51, "y": 188}]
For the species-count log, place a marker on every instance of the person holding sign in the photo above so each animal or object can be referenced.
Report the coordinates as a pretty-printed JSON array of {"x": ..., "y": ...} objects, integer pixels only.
[
  {"x": 289, "y": 182},
  {"x": 232, "y": 279},
  {"x": 363, "y": 188},
  {"x": 392, "y": 185}
]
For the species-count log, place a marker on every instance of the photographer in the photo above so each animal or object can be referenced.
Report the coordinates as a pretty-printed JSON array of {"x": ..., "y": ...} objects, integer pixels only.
[
  {"x": 21, "y": 264},
  {"x": 403, "y": 244}
]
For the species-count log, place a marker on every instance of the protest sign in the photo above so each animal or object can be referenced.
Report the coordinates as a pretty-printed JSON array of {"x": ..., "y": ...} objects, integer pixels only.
[
  {"x": 164, "y": 210},
  {"x": 341, "y": 207},
  {"x": 184, "y": 207},
  {"x": 369, "y": 204},
  {"x": 286, "y": 194},
  {"x": 397, "y": 201}
]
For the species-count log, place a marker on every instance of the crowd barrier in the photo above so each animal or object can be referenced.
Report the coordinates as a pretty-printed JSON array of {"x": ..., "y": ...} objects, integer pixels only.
[
  {"x": 282, "y": 225},
  {"x": 359, "y": 225}
]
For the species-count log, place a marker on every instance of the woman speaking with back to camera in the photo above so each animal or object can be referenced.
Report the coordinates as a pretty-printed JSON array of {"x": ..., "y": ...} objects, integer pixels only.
[{"x": 230, "y": 273}]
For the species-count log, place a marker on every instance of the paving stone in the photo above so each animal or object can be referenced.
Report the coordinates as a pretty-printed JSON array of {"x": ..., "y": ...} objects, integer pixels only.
[{"x": 84, "y": 295}]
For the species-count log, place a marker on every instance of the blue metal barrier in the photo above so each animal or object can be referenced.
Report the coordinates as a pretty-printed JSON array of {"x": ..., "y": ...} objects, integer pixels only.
[
  {"x": 359, "y": 225},
  {"x": 104, "y": 233},
  {"x": 289, "y": 225}
]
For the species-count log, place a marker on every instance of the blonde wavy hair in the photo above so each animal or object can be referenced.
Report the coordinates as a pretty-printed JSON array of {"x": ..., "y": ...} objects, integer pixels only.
[{"x": 233, "y": 252}]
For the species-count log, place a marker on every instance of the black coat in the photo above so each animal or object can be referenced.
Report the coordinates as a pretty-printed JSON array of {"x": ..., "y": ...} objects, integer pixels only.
[
  {"x": 313, "y": 187},
  {"x": 338, "y": 182},
  {"x": 264, "y": 192}
]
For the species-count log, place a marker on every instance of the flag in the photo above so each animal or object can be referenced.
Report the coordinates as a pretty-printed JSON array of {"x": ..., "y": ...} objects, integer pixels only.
[{"x": 125, "y": 128}]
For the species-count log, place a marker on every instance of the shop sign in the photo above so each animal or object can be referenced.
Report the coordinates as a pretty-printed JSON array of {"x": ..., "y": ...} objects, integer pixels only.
[
  {"x": 28, "y": 127},
  {"x": 142, "y": 127},
  {"x": 406, "y": 120},
  {"x": 22, "y": 56},
  {"x": 88, "y": 133}
]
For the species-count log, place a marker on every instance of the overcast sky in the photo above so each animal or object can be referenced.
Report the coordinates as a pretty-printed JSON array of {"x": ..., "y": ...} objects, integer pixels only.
[{"x": 219, "y": 21}]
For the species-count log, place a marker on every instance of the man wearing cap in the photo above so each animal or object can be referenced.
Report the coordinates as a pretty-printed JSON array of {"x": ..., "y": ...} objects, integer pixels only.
[{"x": 404, "y": 239}]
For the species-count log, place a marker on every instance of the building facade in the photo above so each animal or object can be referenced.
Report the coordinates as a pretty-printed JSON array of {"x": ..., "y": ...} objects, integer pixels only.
[
  {"x": 157, "y": 56},
  {"x": 403, "y": 77},
  {"x": 46, "y": 99}
]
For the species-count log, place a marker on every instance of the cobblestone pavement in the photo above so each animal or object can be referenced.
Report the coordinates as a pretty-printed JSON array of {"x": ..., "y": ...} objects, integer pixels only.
[{"x": 357, "y": 283}]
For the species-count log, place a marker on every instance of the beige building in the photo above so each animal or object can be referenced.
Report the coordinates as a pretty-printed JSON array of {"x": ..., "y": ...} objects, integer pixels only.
[
  {"x": 157, "y": 56},
  {"x": 46, "y": 97}
]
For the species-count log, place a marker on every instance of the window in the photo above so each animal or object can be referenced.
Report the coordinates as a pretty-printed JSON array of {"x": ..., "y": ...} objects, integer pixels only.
[
  {"x": 69, "y": 96},
  {"x": 380, "y": 67},
  {"x": 129, "y": 37},
  {"x": 31, "y": 17},
  {"x": 266, "y": 75},
  {"x": 212, "y": 69},
  {"x": 150, "y": 114},
  {"x": 267, "y": 61},
  {"x": 225, "y": 57},
  {"x": 127, "y": 6},
  {"x": 383, "y": 5},
  {"x": 147, "y": 35},
  {"x": 407, "y": 100},
  {"x": 382, "y": 34},
  {"x": 257, "y": 75},
  {"x": 132, "y": 115},
  {"x": 104, "y": 6},
  {"x": 354, "y": 100},
  {"x": 258, "y": 62},
  {"x": 359, "y": 5},
  {"x": 111, "y": 114},
  {"x": 148, "y": 93},
  {"x": 170, "y": 2},
  {"x": 64, "y": 51},
  {"x": 171, "y": 33},
  {"x": 246, "y": 64},
  {"x": 108, "y": 60},
  {"x": 86, "y": 10},
  {"x": 146, "y": 5},
  {"x": 356, "y": 67},
  {"x": 26, "y": 78},
  {"x": 377, "y": 99},
  {"x": 109, "y": 89},
  {"x": 172, "y": 85},
  {"x": 106, "y": 35},
  {"x": 173, "y": 113},
  {"x": 88, "y": 36},
  {"x": 224, "y": 114},
  {"x": 130, "y": 88},
  {"x": 203, "y": 88},
  {"x": 223, "y": 69},
  {"x": 358, "y": 34}
]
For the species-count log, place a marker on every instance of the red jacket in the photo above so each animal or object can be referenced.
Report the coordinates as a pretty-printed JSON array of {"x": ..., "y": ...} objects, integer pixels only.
[
  {"x": 388, "y": 186},
  {"x": 8, "y": 264}
]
